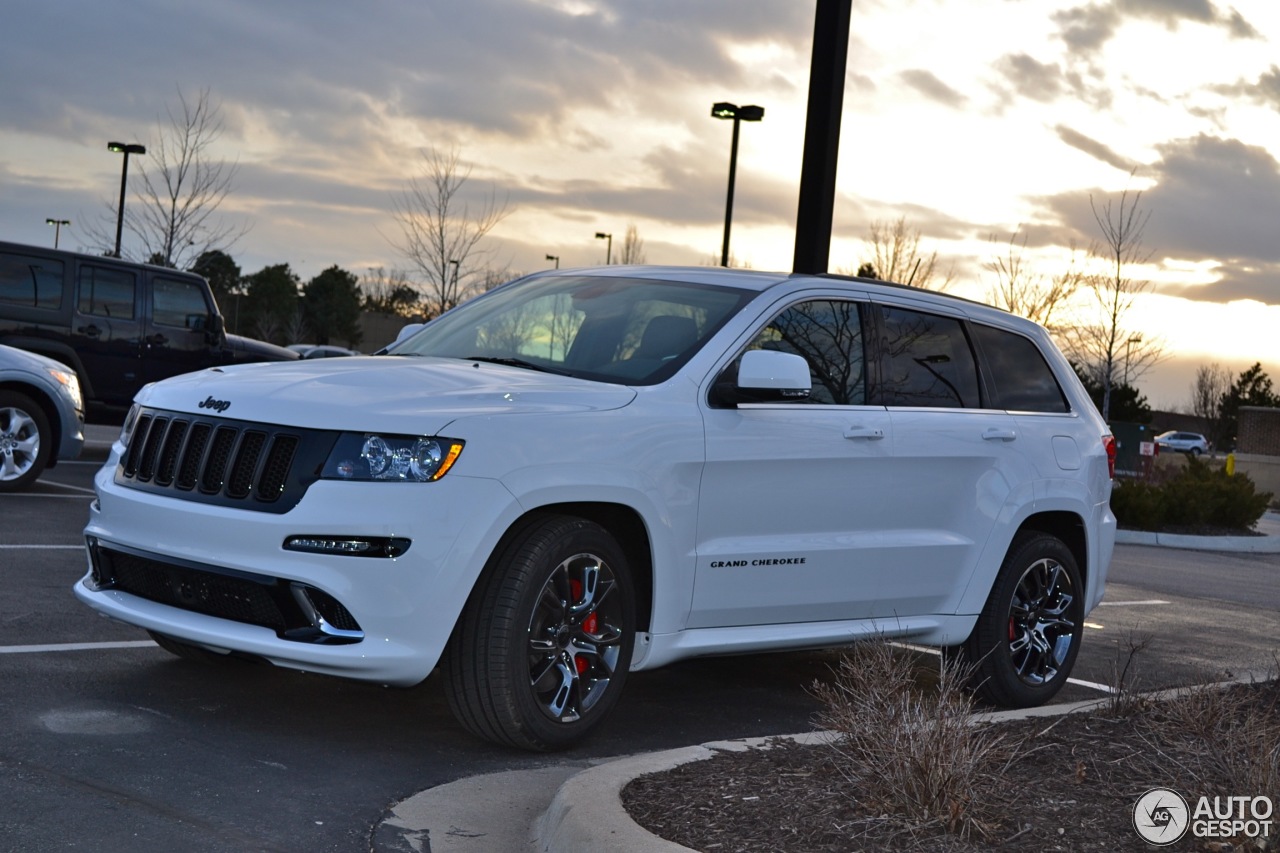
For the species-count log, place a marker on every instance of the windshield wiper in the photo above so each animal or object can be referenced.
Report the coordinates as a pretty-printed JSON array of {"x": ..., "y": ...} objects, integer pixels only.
[{"x": 518, "y": 362}]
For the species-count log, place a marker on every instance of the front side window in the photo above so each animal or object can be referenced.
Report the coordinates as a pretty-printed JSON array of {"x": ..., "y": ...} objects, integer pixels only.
[
  {"x": 624, "y": 330},
  {"x": 925, "y": 361},
  {"x": 107, "y": 292},
  {"x": 1020, "y": 376},
  {"x": 30, "y": 282},
  {"x": 827, "y": 333},
  {"x": 178, "y": 303}
]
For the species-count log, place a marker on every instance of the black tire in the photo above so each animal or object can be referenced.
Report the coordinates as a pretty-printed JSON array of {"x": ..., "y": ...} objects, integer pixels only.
[
  {"x": 25, "y": 441},
  {"x": 1027, "y": 637},
  {"x": 1195, "y": 451},
  {"x": 187, "y": 651},
  {"x": 542, "y": 649}
]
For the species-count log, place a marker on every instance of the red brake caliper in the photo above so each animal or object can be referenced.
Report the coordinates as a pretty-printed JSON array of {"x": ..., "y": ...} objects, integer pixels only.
[
  {"x": 588, "y": 624},
  {"x": 1012, "y": 635}
]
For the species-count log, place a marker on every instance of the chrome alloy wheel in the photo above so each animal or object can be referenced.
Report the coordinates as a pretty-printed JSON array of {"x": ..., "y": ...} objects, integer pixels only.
[
  {"x": 19, "y": 443},
  {"x": 1040, "y": 632},
  {"x": 574, "y": 637}
]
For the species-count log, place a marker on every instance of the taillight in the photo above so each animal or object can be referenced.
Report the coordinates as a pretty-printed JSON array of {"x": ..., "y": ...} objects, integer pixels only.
[{"x": 1109, "y": 442}]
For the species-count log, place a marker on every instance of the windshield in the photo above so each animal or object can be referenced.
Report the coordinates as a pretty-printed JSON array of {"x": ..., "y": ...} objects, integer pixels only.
[{"x": 630, "y": 331}]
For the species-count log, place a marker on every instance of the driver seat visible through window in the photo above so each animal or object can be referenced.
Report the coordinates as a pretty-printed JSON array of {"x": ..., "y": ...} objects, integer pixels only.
[{"x": 666, "y": 336}]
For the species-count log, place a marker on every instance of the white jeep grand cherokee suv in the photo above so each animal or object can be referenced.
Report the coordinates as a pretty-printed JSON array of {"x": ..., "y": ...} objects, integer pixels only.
[{"x": 583, "y": 473}]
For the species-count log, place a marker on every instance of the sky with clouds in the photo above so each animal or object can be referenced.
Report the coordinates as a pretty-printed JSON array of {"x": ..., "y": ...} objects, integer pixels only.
[{"x": 972, "y": 118}]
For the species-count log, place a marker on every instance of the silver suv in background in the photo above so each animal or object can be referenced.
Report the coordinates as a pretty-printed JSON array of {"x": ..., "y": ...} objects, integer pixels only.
[
  {"x": 41, "y": 416},
  {"x": 1183, "y": 442}
]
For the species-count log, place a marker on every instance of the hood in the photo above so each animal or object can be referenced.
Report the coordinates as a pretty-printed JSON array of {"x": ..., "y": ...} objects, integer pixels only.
[
  {"x": 32, "y": 362},
  {"x": 389, "y": 393},
  {"x": 248, "y": 349}
]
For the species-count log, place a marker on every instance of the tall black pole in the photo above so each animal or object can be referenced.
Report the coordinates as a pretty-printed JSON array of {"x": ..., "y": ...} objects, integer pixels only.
[
  {"x": 822, "y": 136},
  {"x": 124, "y": 179},
  {"x": 728, "y": 204}
]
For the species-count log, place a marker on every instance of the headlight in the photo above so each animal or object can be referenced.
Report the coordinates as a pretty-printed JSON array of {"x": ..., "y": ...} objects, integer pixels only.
[
  {"x": 68, "y": 380},
  {"x": 130, "y": 421},
  {"x": 400, "y": 458}
]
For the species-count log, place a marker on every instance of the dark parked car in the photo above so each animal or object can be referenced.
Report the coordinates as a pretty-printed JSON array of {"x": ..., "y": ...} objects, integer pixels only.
[{"x": 117, "y": 324}]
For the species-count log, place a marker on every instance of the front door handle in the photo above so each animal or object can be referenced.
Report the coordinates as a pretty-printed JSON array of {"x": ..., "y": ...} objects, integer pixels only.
[
  {"x": 869, "y": 433},
  {"x": 90, "y": 330},
  {"x": 995, "y": 434},
  {"x": 156, "y": 340}
]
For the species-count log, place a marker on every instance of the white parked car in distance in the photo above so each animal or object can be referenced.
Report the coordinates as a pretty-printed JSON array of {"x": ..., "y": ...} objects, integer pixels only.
[
  {"x": 1183, "y": 442},
  {"x": 584, "y": 473}
]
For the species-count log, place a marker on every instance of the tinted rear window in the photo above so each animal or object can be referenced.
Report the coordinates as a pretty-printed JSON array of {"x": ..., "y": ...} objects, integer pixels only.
[
  {"x": 30, "y": 281},
  {"x": 1020, "y": 376}
]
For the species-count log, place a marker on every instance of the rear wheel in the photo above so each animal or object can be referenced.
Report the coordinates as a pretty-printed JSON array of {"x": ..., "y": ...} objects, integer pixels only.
[
  {"x": 1028, "y": 635},
  {"x": 25, "y": 441},
  {"x": 542, "y": 650}
]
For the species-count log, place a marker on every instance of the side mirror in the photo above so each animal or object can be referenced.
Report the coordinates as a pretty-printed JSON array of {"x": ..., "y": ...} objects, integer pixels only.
[
  {"x": 765, "y": 376},
  {"x": 214, "y": 329},
  {"x": 408, "y": 332}
]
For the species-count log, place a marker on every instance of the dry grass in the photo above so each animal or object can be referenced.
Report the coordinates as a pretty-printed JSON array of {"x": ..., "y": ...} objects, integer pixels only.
[{"x": 908, "y": 750}]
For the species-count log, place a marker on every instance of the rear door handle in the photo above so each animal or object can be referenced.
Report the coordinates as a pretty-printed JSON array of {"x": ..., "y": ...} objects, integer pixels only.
[
  {"x": 869, "y": 433},
  {"x": 995, "y": 434},
  {"x": 90, "y": 330}
]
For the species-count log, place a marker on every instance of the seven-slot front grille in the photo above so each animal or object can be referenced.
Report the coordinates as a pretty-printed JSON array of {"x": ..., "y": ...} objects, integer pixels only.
[{"x": 221, "y": 461}]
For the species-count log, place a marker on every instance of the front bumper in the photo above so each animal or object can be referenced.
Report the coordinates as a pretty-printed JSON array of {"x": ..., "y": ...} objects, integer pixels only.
[{"x": 405, "y": 607}]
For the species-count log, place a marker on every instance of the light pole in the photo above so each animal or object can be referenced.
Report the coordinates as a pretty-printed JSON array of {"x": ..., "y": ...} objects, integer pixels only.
[
  {"x": 555, "y": 258},
  {"x": 727, "y": 110},
  {"x": 57, "y": 228},
  {"x": 608, "y": 253},
  {"x": 126, "y": 149}
]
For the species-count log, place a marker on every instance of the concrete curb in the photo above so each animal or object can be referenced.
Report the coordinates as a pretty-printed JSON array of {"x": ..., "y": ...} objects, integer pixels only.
[
  {"x": 1234, "y": 544},
  {"x": 587, "y": 812}
]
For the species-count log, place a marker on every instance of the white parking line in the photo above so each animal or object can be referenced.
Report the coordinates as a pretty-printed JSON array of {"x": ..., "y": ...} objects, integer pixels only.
[
  {"x": 1092, "y": 685},
  {"x": 1105, "y": 688},
  {"x": 1131, "y": 603},
  {"x": 41, "y": 547},
  {"x": 75, "y": 647},
  {"x": 67, "y": 486}
]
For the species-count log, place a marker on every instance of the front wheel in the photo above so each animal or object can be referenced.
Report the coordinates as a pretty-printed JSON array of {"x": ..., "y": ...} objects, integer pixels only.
[
  {"x": 25, "y": 441},
  {"x": 542, "y": 649},
  {"x": 1028, "y": 634}
]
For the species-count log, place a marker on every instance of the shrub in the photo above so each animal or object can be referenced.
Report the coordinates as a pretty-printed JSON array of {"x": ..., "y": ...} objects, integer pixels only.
[{"x": 1199, "y": 496}]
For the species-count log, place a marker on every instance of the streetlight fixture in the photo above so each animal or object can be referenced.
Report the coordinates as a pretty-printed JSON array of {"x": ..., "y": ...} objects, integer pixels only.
[
  {"x": 126, "y": 149},
  {"x": 608, "y": 252},
  {"x": 555, "y": 258},
  {"x": 726, "y": 110},
  {"x": 1128, "y": 345},
  {"x": 57, "y": 228},
  {"x": 455, "y": 276}
]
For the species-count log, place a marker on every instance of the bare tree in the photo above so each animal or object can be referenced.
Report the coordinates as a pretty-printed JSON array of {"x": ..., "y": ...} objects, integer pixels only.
[
  {"x": 632, "y": 247},
  {"x": 440, "y": 234},
  {"x": 1023, "y": 291},
  {"x": 1099, "y": 342},
  {"x": 893, "y": 254},
  {"x": 1212, "y": 383},
  {"x": 174, "y": 215}
]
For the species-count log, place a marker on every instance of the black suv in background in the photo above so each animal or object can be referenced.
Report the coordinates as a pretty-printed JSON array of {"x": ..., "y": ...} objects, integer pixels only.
[{"x": 118, "y": 324}]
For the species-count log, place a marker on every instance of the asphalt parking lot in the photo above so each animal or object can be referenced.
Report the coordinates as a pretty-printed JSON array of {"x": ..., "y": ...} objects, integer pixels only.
[{"x": 114, "y": 744}]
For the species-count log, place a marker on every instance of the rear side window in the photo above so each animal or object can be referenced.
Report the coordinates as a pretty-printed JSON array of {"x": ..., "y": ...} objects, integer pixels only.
[
  {"x": 30, "y": 282},
  {"x": 178, "y": 303},
  {"x": 925, "y": 361},
  {"x": 828, "y": 335},
  {"x": 107, "y": 292},
  {"x": 1020, "y": 376}
]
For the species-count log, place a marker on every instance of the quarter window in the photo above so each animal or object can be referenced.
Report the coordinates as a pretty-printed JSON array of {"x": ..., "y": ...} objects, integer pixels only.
[
  {"x": 30, "y": 282},
  {"x": 1020, "y": 377},
  {"x": 107, "y": 292},
  {"x": 827, "y": 333},
  {"x": 926, "y": 361}
]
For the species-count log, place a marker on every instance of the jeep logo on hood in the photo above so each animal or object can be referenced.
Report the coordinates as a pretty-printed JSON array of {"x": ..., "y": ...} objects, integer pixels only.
[{"x": 217, "y": 405}]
